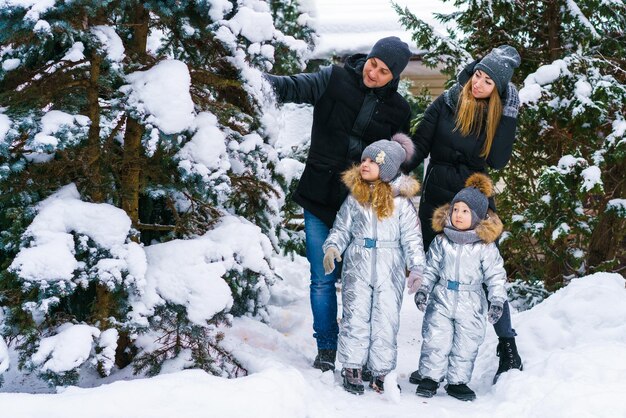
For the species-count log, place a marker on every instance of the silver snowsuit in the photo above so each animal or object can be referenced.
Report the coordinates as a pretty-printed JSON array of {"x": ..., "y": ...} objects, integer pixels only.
[
  {"x": 455, "y": 317},
  {"x": 376, "y": 254}
]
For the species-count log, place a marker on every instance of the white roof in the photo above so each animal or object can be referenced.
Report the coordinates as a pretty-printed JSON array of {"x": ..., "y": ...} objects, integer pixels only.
[{"x": 351, "y": 26}]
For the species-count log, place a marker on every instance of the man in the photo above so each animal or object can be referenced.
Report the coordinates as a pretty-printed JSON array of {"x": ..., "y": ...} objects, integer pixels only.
[{"x": 354, "y": 105}]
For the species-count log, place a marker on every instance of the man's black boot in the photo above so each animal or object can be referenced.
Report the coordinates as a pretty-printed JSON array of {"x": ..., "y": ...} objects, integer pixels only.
[
  {"x": 509, "y": 357},
  {"x": 325, "y": 360}
]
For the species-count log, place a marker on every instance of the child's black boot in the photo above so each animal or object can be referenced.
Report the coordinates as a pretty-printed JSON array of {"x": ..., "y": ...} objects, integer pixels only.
[
  {"x": 366, "y": 374},
  {"x": 461, "y": 392},
  {"x": 325, "y": 360},
  {"x": 352, "y": 381},
  {"x": 415, "y": 377},
  {"x": 377, "y": 383},
  {"x": 427, "y": 388},
  {"x": 509, "y": 357}
]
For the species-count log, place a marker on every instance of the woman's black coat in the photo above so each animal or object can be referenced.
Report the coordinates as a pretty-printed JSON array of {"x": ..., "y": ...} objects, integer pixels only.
[{"x": 453, "y": 157}]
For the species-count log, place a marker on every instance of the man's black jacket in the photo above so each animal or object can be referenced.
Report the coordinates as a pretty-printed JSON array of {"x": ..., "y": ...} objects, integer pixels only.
[{"x": 347, "y": 117}]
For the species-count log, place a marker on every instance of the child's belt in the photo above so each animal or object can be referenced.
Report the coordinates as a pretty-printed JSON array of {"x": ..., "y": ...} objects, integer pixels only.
[
  {"x": 376, "y": 243},
  {"x": 460, "y": 287}
]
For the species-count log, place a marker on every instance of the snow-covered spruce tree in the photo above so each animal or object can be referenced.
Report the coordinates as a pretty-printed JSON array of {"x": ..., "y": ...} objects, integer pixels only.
[
  {"x": 139, "y": 206},
  {"x": 292, "y": 18},
  {"x": 574, "y": 214},
  {"x": 563, "y": 203}
]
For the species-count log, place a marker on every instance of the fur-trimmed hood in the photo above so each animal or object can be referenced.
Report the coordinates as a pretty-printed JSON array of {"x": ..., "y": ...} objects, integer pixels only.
[
  {"x": 403, "y": 185},
  {"x": 379, "y": 194},
  {"x": 488, "y": 229}
]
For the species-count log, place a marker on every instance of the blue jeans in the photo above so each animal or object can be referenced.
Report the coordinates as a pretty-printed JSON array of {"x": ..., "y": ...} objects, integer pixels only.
[{"x": 323, "y": 293}]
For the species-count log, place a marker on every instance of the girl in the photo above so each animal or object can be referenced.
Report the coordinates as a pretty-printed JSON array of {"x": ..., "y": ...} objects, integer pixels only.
[{"x": 378, "y": 231}]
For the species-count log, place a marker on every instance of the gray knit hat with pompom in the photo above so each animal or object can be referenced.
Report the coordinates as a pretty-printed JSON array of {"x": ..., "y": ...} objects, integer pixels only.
[
  {"x": 499, "y": 65},
  {"x": 478, "y": 189},
  {"x": 389, "y": 155}
]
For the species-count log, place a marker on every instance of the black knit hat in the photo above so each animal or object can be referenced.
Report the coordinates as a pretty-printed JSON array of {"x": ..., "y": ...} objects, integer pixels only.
[
  {"x": 499, "y": 65},
  {"x": 393, "y": 52}
]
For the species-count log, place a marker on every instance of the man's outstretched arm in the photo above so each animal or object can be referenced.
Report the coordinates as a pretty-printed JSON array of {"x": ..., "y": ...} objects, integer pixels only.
[{"x": 300, "y": 88}]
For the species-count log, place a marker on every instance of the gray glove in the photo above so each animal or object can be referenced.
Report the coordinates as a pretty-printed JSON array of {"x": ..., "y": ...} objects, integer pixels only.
[
  {"x": 330, "y": 256},
  {"x": 510, "y": 106},
  {"x": 495, "y": 312},
  {"x": 420, "y": 300}
]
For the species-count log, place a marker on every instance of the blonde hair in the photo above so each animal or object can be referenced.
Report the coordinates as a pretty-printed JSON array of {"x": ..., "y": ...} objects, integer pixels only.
[{"x": 470, "y": 115}]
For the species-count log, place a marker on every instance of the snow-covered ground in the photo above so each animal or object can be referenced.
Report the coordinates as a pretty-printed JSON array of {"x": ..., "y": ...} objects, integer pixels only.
[{"x": 573, "y": 345}]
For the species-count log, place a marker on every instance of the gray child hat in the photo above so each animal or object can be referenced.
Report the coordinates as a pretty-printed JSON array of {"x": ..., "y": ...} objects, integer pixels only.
[
  {"x": 393, "y": 52},
  {"x": 389, "y": 155},
  {"x": 478, "y": 189},
  {"x": 499, "y": 65}
]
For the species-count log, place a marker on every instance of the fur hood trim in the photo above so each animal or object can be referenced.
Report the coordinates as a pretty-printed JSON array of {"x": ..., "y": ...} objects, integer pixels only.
[
  {"x": 379, "y": 194},
  {"x": 488, "y": 229},
  {"x": 406, "y": 186},
  {"x": 403, "y": 185}
]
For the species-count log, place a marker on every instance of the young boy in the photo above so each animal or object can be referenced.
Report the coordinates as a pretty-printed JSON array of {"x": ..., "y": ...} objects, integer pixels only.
[
  {"x": 459, "y": 261},
  {"x": 378, "y": 232}
]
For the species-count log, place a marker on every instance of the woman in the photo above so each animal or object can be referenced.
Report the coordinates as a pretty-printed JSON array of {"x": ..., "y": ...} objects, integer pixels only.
[{"x": 468, "y": 128}]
